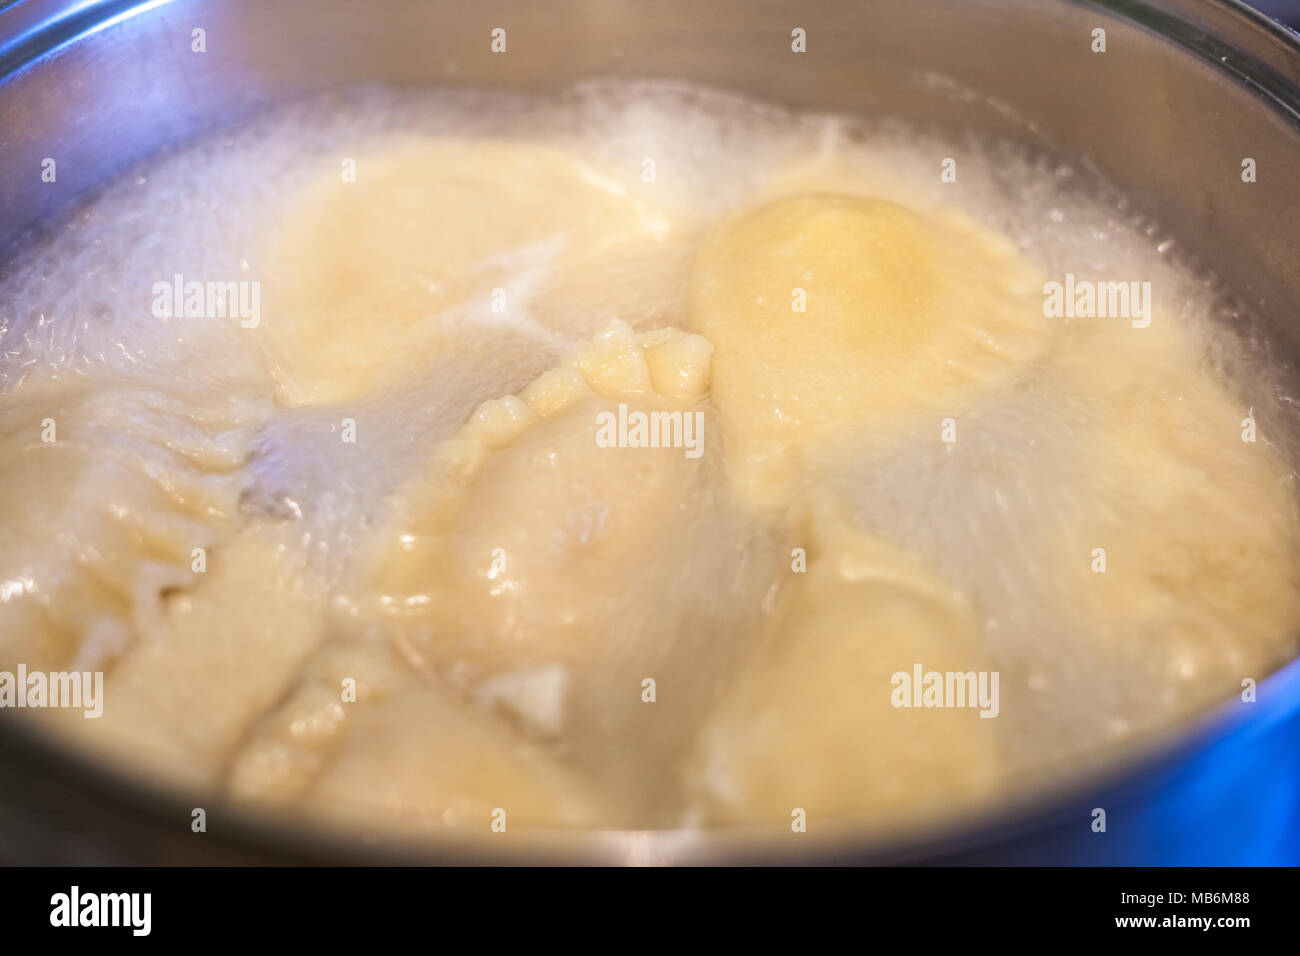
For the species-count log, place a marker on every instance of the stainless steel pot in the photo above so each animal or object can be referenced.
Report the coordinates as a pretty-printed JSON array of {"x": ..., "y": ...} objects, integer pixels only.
[{"x": 1186, "y": 89}]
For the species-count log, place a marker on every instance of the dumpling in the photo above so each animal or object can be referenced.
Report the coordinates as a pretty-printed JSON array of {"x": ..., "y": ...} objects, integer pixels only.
[
  {"x": 833, "y": 315},
  {"x": 1187, "y": 533},
  {"x": 550, "y": 570},
  {"x": 400, "y": 752},
  {"x": 444, "y": 241},
  {"x": 809, "y": 721},
  {"x": 115, "y": 486}
]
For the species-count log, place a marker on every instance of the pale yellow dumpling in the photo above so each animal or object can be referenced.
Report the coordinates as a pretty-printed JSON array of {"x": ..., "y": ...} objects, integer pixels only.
[
  {"x": 1191, "y": 531},
  {"x": 437, "y": 242},
  {"x": 114, "y": 487},
  {"x": 549, "y": 568},
  {"x": 185, "y": 698},
  {"x": 329, "y": 748},
  {"x": 496, "y": 557},
  {"x": 833, "y": 315},
  {"x": 461, "y": 771},
  {"x": 810, "y": 720}
]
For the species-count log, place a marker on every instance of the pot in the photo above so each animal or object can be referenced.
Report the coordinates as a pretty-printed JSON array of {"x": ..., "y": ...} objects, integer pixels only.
[{"x": 1184, "y": 91}]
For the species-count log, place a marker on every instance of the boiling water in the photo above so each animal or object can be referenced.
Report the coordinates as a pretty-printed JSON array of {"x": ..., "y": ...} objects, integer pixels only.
[{"x": 289, "y": 439}]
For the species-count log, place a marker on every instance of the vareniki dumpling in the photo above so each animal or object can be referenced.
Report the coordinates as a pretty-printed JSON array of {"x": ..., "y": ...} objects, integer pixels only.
[
  {"x": 549, "y": 573},
  {"x": 812, "y": 720},
  {"x": 433, "y": 243},
  {"x": 833, "y": 315}
]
